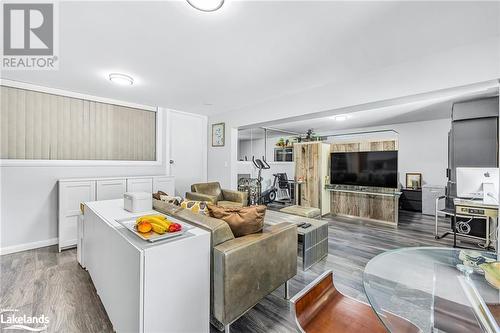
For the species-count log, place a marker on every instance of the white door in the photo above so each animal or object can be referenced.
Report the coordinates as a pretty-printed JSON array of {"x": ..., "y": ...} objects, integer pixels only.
[{"x": 188, "y": 149}]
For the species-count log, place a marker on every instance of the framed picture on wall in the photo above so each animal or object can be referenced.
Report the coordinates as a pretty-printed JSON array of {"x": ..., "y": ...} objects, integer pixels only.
[
  {"x": 218, "y": 134},
  {"x": 413, "y": 180}
]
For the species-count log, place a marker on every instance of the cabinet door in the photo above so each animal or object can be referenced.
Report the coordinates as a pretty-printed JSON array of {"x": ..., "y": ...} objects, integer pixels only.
[
  {"x": 111, "y": 189},
  {"x": 140, "y": 185},
  {"x": 71, "y": 195},
  {"x": 165, "y": 184}
]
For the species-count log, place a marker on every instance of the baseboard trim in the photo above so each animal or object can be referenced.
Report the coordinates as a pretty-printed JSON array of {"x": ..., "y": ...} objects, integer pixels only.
[{"x": 28, "y": 246}]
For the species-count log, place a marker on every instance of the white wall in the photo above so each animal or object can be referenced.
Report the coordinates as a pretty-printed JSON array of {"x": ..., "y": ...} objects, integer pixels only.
[
  {"x": 29, "y": 198},
  {"x": 456, "y": 67},
  {"x": 423, "y": 147},
  {"x": 255, "y": 147}
]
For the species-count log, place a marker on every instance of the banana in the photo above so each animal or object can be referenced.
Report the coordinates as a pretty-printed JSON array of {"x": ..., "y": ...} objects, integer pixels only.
[
  {"x": 161, "y": 222},
  {"x": 158, "y": 228},
  {"x": 148, "y": 217}
]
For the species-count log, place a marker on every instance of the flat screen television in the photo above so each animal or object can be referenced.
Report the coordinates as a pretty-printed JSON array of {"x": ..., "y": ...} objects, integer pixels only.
[{"x": 373, "y": 168}]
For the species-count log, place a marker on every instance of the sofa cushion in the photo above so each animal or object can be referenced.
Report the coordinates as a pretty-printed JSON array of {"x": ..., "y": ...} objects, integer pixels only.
[
  {"x": 199, "y": 207},
  {"x": 242, "y": 220},
  {"x": 310, "y": 212}
]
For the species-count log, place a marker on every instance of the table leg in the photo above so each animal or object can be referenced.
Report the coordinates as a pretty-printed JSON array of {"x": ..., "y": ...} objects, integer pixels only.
[
  {"x": 304, "y": 253},
  {"x": 487, "y": 245},
  {"x": 454, "y": 226}
]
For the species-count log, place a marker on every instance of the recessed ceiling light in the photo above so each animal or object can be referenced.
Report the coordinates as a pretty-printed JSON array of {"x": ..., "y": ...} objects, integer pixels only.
[
  {"x": 341, "y": 117},
  {"x": 206, "y": 5},
  {"x": 121, "y": 79}
]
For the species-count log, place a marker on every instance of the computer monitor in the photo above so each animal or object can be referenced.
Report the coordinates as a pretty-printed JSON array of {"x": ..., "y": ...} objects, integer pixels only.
[{"x": 478, "y": 183}]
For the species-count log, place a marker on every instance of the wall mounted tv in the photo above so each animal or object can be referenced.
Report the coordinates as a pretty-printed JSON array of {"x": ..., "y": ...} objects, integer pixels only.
[{"x": 373, "y": 168}]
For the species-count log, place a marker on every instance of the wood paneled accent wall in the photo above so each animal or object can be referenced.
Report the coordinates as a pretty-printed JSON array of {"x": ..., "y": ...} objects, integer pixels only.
[
  {"x": 311, "y": 165},
  {"x": 365, "y": 206},
  {"x": 365, "y": 146}
]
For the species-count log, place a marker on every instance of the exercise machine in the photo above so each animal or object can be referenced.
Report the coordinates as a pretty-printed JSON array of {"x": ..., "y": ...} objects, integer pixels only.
[{"x": 269, "y": 195}]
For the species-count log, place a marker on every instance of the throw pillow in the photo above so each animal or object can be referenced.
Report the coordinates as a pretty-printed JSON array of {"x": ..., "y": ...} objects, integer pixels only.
[
  {"x": 242, "y": 220},
  {"x": 173, "y": 200},
  {"x": 158, "y": 195},
  {"x": 199, "y": 207}
]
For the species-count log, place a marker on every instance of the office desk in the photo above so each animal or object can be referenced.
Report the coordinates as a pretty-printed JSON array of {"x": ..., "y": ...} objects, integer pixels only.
[{"x": 475, "y": 209}]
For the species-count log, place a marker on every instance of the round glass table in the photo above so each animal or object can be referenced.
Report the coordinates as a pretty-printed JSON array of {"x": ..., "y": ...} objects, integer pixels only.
[{"x": 435, "y": 289}]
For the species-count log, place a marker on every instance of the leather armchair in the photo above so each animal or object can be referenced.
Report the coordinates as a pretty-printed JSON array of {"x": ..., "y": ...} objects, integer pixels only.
[
  {"x": 243, "y": 271},
  {"x": 212, "y": 192}
]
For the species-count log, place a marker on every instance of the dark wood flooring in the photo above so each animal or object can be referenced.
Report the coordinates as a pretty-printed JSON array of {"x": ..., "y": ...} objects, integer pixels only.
[{"x": 43, "y": 281}]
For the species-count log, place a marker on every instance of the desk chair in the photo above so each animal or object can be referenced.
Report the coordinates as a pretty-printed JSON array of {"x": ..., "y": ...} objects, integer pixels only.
[{"x": 447, "y": 212}]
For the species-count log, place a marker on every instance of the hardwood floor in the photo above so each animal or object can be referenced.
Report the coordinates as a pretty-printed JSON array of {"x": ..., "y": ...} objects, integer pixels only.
[{"x": 43, "y": 281}]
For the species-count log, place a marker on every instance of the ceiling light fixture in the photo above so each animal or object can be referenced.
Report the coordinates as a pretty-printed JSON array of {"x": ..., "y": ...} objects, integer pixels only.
[
  {"x": 121, "y": 79},
  {"x": 341, "y": 117},
  {"x": 206, "y": 5}
]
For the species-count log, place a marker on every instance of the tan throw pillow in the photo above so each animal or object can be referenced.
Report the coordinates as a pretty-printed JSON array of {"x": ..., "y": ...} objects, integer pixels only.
[
  {"x": 242, "y": 220},
  {"x": 199, "y": 207}
]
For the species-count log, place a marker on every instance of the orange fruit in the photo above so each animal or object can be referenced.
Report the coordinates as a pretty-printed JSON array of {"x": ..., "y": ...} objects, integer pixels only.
[{"x": 144, "y": 227}]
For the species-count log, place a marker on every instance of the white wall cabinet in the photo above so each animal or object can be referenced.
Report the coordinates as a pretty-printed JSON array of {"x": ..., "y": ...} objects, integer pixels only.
[
  {"x": 140, "y": 185},
  {"x": 110, "y": 189},
  {"x": 72, "y": 192}
]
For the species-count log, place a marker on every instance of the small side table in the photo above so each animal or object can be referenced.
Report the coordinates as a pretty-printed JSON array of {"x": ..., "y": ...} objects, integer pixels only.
[{"x": 314, "y": 241}]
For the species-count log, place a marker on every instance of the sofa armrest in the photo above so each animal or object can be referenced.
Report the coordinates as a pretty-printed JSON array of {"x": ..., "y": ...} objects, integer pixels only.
[
  {"x": 201, "y": 197},
  {"x": 235, "y": 196},
  {"x": 248, "y": 268}
]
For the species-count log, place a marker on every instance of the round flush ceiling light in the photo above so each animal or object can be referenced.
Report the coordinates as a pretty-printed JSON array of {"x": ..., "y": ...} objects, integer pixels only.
[
  {"x": 341, "y": 117},
  {"x": 121, "y": 79},
  {"x": 206, "y": 5}
]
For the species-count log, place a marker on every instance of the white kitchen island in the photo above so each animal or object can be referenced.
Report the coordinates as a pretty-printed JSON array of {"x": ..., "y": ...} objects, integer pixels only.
[{"x": 146, "y": 287}]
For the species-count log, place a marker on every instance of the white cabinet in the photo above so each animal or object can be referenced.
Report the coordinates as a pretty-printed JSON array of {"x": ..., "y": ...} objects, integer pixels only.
[
  {"x": 165, "y": 184},
  {"x": 140, "y": 185},
  {"x": 111, "y": 189},
  {"x": 71, "y": 194}
]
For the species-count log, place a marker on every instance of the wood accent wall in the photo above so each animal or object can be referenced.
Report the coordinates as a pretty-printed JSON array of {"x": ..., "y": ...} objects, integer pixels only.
[
  {"x": 365, "y": 146},
  {"x": 365, "y": 206}
]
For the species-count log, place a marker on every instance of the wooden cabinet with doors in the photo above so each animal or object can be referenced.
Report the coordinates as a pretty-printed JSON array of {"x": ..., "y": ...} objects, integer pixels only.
[{"x": 311, "y": 166}]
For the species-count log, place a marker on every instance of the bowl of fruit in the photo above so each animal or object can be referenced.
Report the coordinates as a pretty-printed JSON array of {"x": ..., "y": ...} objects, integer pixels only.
[{"x": 154, "y": 227}]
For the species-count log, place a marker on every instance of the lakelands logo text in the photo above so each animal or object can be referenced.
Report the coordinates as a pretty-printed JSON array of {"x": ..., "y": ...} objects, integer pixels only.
[
  {"x": 29, "y": 36},
  {"x": 10, "y": 320}
]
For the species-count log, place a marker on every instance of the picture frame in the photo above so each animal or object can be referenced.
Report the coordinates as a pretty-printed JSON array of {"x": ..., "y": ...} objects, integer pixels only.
[
  {"x": 413, "y": 180},
  {"x": 218, "y": 134}
]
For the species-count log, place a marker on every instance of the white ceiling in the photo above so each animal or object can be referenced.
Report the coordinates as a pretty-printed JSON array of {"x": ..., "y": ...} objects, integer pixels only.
[
  {"x": 420, "y": 110},
  {"x": 249, "y": 51}
]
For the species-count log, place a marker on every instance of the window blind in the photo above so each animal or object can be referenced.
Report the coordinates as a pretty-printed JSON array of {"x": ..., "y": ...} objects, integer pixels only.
[{"x": 41, "y": 126}]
